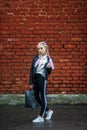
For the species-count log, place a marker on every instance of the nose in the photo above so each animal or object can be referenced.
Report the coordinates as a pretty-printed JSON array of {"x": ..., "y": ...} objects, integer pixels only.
[{"x": 39, "y": 50}]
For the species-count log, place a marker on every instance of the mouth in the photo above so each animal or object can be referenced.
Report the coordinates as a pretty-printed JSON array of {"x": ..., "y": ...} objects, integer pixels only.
[{"x": 40, "y": 52}]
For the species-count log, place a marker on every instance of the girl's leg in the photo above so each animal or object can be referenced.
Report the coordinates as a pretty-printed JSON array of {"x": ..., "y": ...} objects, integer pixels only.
[
  {"x": 40, "y": 93},
  {"x": 37, "y": 97},
  {"x": 36, "y": 92},
  {"x": 42, "y": 87}
]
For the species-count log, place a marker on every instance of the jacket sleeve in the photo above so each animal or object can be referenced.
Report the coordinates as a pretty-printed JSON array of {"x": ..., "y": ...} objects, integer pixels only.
[
  {"x": 49, "y": 70},
  {"x": 52, "y": 66},
  {"x": 32, "y": 70},
  {"x": 31, "y": 75}
]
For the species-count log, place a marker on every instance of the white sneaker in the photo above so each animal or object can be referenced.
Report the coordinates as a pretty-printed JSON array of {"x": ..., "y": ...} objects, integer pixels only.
[
  {"x": 49, "y": 115},
  {"x": 38, "y": 119}
]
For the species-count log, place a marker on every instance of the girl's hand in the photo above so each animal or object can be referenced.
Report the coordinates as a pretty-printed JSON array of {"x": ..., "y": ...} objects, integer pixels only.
[
  {"x": 48, "y": 65},
  {"x": 31, "y": 86}
]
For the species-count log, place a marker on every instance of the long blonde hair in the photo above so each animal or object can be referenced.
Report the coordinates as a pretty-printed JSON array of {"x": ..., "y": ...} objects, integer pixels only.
[{"x": 45, "y": 45}]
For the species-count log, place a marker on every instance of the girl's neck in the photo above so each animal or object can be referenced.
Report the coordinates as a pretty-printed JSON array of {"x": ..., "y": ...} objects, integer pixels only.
[{"x": 43, "y": 55}]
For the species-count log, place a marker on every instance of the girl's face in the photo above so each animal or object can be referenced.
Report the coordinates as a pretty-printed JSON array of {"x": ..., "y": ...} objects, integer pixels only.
[{"x": 41, "y": 50}]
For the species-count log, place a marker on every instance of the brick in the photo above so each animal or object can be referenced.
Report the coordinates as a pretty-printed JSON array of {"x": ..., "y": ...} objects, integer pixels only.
[{"x": 62, "y": 25}]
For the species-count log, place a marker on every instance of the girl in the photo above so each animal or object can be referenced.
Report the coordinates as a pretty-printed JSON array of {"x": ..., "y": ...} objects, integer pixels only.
[{"x": 42, "y": 65}]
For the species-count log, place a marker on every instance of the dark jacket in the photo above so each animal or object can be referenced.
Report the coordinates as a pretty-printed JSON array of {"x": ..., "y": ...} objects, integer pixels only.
[{"x": 33, "y": 69}]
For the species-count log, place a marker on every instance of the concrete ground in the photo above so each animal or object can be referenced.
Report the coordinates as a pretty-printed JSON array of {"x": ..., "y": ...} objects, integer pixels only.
[{"x": 65, "y": 117}]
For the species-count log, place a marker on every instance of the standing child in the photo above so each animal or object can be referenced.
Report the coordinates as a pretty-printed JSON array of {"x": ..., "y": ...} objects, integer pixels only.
[{"x": 42, "y": 65}]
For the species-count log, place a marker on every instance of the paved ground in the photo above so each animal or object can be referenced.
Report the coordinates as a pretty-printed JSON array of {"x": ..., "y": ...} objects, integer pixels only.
[{"x": 65, "y": 117}]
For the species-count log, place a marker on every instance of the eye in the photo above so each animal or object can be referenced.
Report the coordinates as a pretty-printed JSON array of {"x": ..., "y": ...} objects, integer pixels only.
[{"x": 40, "y": 48}]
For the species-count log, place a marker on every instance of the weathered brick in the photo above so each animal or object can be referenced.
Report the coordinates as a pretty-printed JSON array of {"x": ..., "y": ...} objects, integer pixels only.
[{"x": 62, "y": 25}]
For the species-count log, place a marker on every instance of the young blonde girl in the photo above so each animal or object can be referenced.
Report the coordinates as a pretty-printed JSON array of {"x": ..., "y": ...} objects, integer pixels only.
[{"x": 41, "y": 67}]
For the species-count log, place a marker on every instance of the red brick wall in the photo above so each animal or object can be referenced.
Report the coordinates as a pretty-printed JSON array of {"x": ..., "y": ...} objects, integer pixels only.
[{"x": 62, "y": 24}]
